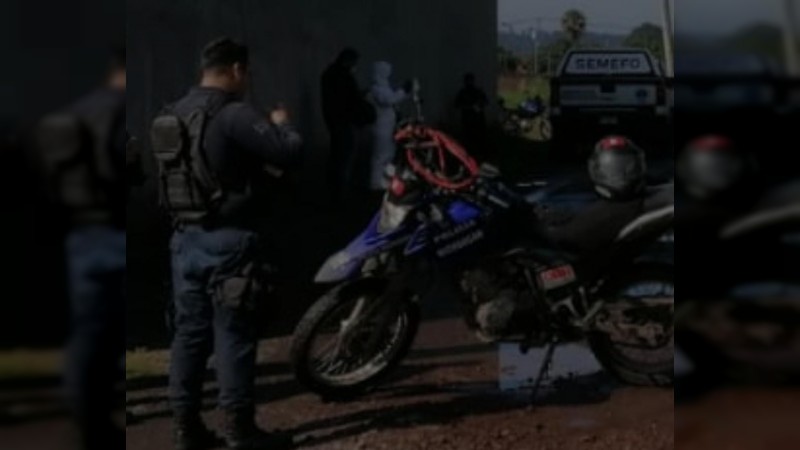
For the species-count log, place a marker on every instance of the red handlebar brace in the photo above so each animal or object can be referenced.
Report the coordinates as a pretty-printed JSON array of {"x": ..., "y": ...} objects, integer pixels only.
[{"x": 442, "y": 144}]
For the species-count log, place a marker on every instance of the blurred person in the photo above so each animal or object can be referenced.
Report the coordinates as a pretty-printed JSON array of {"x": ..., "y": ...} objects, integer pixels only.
[
  {"x": 215, "y": 253},
  {"x": 472, "y": 102},
  {"x": 83, "y": 152},
  {"x": 386, "y": 99},
  {"x": 344, "y": 110}
]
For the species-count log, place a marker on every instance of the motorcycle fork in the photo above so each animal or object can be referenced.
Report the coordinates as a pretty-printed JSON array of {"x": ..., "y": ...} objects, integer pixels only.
[{"x": 388, "y": 306}]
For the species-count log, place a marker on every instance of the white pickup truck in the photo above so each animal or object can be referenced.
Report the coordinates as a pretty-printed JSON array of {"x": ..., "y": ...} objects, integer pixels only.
[{"x": 605, "y": 91}]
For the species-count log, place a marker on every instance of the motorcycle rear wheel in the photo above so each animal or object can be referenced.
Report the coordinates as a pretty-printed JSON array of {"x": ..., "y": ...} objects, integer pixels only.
[
  {"x": 634, "y": 361},
  {"x": 346, "y": 376}
]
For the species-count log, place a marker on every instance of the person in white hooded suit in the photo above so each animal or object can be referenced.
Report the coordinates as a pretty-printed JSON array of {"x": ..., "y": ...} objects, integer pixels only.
[{"x": 385, "y": 98}]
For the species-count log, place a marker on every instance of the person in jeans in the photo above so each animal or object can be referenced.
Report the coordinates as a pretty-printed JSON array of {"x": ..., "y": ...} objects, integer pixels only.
[
  {"x": 82, "y": 152},
  {"x": 215, "y": 261}
]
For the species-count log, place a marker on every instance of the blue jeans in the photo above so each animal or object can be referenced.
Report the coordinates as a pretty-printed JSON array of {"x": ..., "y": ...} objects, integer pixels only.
[
  {"x": 96, "y": 258},
  {"x": 215, "y": 284}
]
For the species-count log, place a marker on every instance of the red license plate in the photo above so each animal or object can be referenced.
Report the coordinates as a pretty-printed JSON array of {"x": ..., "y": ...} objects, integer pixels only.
[{"x": 557, "y": 276}]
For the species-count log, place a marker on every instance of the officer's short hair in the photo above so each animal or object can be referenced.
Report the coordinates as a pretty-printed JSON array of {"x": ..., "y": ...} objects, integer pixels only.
[{"x": 224, "y": 52}]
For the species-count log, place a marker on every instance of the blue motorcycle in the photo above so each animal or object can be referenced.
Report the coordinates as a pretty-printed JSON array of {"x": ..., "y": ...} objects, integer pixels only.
[{"x": 443, "y": 219}]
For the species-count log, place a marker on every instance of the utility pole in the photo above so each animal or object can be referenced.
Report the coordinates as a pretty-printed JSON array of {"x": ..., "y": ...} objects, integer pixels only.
[
  {"x": 790, "y": 36},
  {"x": 669, "y": 56},
  {"x": 536, "y": 43},
  {"x": 534, "y": 34}
]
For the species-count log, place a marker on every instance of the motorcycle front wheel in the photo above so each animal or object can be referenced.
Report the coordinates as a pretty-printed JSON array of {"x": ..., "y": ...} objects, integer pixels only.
[
  {"x": 635, "y": 338},
  {"x": 344, "y": 345}
]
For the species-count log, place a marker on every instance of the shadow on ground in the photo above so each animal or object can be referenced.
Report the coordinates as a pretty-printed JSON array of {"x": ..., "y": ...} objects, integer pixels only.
[{"x": 470, "y": 400}]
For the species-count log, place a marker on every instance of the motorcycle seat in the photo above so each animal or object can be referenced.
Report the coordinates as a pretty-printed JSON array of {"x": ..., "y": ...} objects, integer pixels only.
[
  {"x": 658, "y": 197},
  {"x": 595, "y": 227}
]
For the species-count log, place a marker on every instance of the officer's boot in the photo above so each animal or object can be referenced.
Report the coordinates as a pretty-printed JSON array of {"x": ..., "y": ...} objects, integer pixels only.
[
  {"x": 190, "y": 433},
  {"x": 242, "y": 433}
]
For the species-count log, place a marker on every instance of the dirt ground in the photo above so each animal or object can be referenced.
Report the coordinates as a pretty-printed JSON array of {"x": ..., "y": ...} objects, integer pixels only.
[{"x": 444, "y": 397}]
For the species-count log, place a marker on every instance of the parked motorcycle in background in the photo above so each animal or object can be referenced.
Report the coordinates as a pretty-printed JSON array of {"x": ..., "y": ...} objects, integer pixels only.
[
  {"x": 529, "y": 118},
  {"x": 444, "y": 219}
]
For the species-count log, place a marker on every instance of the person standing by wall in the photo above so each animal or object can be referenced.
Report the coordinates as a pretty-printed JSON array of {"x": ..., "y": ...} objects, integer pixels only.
[
  {"x": 215, "y": 257},
  {"x": 472, "y": 102},
  {"x": 82, "y": 151},
  {"x": 385, "y": 98}
]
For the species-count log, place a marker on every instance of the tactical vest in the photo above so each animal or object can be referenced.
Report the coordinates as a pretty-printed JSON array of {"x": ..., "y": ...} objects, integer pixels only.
[
  {"x": 188, "y": 189},
  {"x": 76, "y": 153}
]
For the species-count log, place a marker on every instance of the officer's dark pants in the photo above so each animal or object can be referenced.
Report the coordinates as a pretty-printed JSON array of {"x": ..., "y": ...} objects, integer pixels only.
[
  {"x": 213, "y": 284},
  {"x": 342, "y": 159},
  {"x": 96, "y": 275}
]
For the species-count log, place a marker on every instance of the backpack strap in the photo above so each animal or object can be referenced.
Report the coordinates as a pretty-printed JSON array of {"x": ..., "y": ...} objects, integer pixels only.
[{"x": 199, "y": 157}]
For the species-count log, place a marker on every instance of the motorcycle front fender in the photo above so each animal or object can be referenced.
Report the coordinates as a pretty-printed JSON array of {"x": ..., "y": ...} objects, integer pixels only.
[{"x": 340, "y": 266}]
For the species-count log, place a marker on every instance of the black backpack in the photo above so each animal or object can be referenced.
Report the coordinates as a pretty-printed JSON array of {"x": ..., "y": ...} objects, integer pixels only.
[
  {"x": 75, "y": 152},
  {"x": 188, "y": 189}
]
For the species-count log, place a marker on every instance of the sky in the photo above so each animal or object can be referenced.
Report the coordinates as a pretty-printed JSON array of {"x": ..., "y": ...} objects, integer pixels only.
[
  {"x": 607, "y": 15},
  {"x": 621, "y": 16}
]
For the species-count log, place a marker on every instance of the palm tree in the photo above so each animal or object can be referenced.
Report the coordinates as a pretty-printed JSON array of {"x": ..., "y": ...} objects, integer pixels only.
[{"x": 573, "y": 23}]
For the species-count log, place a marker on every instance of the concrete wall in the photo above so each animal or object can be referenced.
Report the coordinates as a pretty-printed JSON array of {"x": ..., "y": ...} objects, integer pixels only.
[{"x": 292, "y": 41}]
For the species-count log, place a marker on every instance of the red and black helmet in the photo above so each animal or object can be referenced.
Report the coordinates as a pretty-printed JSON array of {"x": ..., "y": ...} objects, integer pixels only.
[
  {"x": 711, "y": 165},
  {"x": 617, "y": 168}
]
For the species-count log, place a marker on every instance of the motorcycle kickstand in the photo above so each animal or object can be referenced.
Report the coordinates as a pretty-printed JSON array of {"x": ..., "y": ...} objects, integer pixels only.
[{"x": 547, "y": 362}]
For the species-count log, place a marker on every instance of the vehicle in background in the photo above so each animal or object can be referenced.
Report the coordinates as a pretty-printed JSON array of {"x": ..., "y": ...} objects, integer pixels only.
[{"x": 600, "y": 92}]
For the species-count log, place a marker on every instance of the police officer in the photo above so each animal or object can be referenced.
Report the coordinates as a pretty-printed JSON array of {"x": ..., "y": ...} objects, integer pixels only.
[
  {"x": 215, "y": 259},
  {"x": 82, "y": 150}
]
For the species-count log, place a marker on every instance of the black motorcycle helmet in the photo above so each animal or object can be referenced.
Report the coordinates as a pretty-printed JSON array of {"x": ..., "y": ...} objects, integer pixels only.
[
  {"x": 617, "y": 168},
  {"x": 711, "y": 167}
]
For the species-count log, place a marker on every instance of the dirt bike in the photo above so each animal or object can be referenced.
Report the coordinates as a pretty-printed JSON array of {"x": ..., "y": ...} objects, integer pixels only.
[{"x": 445, "y": 218}]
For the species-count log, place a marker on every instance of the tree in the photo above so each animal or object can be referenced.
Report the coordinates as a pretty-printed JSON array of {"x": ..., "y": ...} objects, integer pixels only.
[
  {"x": 765, "y": 40},
  {"x": 573, "y": 23},
  {"x": 508, "y": 61},
  {"x": 551, "y": 55},
  {"x": 647, "y": 36}
]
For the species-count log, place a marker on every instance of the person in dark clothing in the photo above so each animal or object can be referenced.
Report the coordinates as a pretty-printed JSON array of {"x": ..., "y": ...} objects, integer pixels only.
[
  {"x": 341, "y": 103},
  {"x": 215, "y": 263},
  {"x": 95, "y": 250},
  {"x": 471, "y": 101}
]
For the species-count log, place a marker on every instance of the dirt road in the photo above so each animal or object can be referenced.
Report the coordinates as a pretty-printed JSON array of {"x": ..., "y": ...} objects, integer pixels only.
[{"x": 444, "y": 397}]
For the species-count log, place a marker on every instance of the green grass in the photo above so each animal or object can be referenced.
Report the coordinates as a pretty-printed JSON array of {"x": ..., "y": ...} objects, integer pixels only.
[
  {"x": 26, "y": 364},
  {"x": 142, "y": 363},
  {"x": 30, "y": 364},
  {"x": 513, "y": 94}
]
